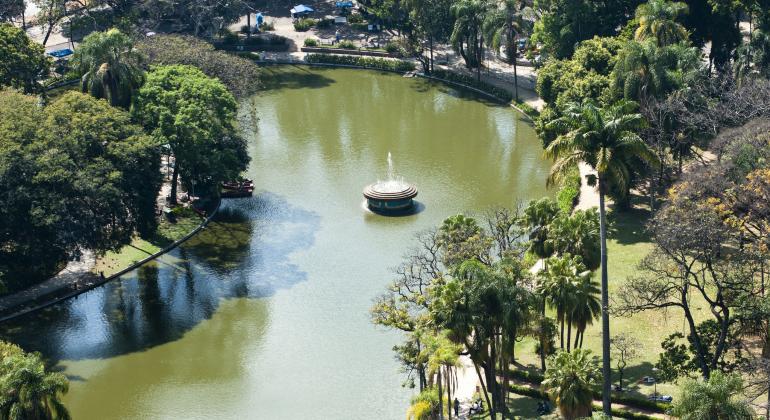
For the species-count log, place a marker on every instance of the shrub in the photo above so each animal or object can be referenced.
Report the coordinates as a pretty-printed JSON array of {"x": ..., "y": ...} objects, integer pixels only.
[
  {"x": 355, "y": 18},
  {"x": 348, "y": 45},
  {"x": 267, "y": 26},
  {"x": 324, "y": 23},
  {"x": 529, "y": 392},
  {"x": 311, "y": 42},
  {"x": 392, "y": 48},
  {"x": 303, "y": 24},
  {"x": 360, "y": 26},
  {"x": 244, "y": 29},
  {"x": 527, "y": 376},
  {"x": 400, "y": 66},
  {"x": 569, "y": 192},
  {"x": 229, "y": 38}
]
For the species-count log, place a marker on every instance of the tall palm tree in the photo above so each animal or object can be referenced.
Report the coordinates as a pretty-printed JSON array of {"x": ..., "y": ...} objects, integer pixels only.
[
  {"x": 27, "y": 391},
  {"x": 718, "y": 398},
  {"x": 502, "y": 28},
  {"x": 587, "y": 306},
  {"x": 605, "y": 139},
  {"x": 569, "y": 381},
  {"x": 657, "y": 20},
  {"x": 109, "y": 67},
  {"x": 467, "y": 35}
]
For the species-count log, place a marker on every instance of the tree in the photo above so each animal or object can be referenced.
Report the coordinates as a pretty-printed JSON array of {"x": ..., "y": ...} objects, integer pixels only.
[
  {"x": 11, "y": 9},
  {"x": 577, "y": 234},
  {"x": 24, "y": 61},
  {"x": 657, "y": 21},
  {"x": 537, "y": 217},
  {"x": 626, "y": 348},
  {"x": 76, "y": 175},
  {"x": 433, "y": 22},
  {"x": 502, "y": 28},
  {"x": 714, "y": 399},
  {"x": 468, "y": 36},
  {"x": 27, "y": 391},
  {"x": 569, "y": 381},
  {"x": 586, "y": 307},
  {"x": 604, "y": 139},
  {"x": 241, "y": 76},
  {"x": 195, "y": 115},
  {"x": 109, "y": 67},
  {"x": 559, "y": 281}
]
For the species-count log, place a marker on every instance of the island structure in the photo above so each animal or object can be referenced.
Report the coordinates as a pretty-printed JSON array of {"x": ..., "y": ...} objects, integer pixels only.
[{"x": 390, "y": 196}]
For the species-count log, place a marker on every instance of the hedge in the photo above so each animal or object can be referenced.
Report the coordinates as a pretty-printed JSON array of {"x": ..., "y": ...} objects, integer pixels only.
[
  {"x": 627, "y": 400},
  {"x": 542, "y": 395},
  {"x": 568, "y": 194},
  {"x": 367, "y": 62}
]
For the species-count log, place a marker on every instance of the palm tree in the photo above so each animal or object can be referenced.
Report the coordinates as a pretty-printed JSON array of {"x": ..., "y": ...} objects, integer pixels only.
[
  {"x": 604, "y": 139},
  {"x": 558, "y": 286},
  {"x": 569, "y": 381},
  {"x": 715, "y": 399},
  {"x": 587, "y": 306},
  {"x": 424, "y": 405},
  {"x": 467, "y": 35},
  {"x": 109, "y": 67},
  {"x": 657, "y": 20},
  {"x": 502, "y": 28},
  {"x": 577, "y": 234},
  {"x": 443, "y": 356},
  {"x": 27, "y": 391}
]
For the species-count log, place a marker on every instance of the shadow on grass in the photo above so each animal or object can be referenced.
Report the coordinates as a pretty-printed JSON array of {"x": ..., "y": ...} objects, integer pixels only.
[{"x": 628, "y": 225}]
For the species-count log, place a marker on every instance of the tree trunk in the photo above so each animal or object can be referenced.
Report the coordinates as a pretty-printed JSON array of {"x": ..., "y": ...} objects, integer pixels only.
[
  {"x": 483, "y": 387},
  {"x": 174, "y": 182},
  {"x": 561, "y": 332},
  {"x": 569, "y": 334},
  {"x": 515, "y": 74},
  {"x": 542, "y": 339},
  {"x": 606, "y": 369},
  {"x": 248, "y": 24},
  {"x": 430, "y": 46},
  {"x": 440, "y": 396},
  {"x": 448, "y": 377}
]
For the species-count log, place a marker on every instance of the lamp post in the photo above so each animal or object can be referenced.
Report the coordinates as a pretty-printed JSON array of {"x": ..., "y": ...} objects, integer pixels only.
[{"x": 655, "y": 379}]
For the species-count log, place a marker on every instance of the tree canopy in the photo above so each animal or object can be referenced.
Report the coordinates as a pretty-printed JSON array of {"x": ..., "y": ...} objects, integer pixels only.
[{"x": 23, "y": 60}]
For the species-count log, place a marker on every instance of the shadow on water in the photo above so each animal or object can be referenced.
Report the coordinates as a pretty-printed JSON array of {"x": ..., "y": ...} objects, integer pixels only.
[
  {"x": 244, "y": 252},
  {"x": 423, "y": 85},
  {"x": 281, "y": 77}
]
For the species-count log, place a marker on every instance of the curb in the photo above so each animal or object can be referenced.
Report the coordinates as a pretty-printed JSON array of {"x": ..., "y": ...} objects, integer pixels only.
[{"x": 116, "y": 275}]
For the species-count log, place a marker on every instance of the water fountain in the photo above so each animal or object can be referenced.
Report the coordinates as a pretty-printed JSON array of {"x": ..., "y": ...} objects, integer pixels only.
[{"x": 393, "y": 195}]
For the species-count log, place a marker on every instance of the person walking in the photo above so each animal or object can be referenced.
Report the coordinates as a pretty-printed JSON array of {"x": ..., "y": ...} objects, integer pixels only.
[{"x": 457, "y": 407}]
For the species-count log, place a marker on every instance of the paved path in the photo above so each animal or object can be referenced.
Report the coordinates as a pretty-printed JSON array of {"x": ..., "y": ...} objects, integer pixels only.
[
  {"x": 467, "y": 381},
  {"x": 75, "y": 274}
]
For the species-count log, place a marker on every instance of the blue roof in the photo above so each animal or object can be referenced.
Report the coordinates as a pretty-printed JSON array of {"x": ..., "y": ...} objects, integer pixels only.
[
  {"x": 60, "y": 53},
  {"x": 344, "y": 4},
  {"x": 302, "y": 9}
]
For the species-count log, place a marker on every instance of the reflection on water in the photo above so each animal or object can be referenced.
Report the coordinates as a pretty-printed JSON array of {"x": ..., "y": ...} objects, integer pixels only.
[{"x": 242, "y": 253}]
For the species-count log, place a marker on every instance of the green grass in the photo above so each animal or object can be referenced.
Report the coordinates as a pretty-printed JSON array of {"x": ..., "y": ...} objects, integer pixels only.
[{"x": 140, "y": 248}]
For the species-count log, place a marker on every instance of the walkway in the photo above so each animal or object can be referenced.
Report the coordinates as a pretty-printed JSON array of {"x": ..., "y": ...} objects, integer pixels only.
[
  {"x": 467, "y": 382},
  {"x": 77, "y": 274}
]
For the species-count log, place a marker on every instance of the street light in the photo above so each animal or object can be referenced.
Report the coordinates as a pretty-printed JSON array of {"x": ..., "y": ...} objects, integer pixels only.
[{"x": 655, "y": 379}]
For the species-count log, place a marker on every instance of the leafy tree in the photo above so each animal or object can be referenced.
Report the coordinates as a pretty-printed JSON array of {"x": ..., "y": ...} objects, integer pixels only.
[
  {"x": 241, "y": 76},
  {"x": 626, "y": 348},
  {"x": 462, "y": 239},
  {"x": 569, "y": 381},
  {"x": 109, "y": 67},
  {"x": 201, "y": 17},
  {"x": 27, "y": 391},
  {"x": 195, "y": 115},
  {"x": 76, "y": 175},
  {"x": 432, "y": 22},
  {"x": 537, "y": 217},
  {"x": 586, "y": 307},
  {"x": 604, "y": 139},
  {"x": 717, "y": 398},
  {"x": 468, "y": 35},
  {"x": 11, "y": 9},
  {"x": 424, "y": 405},
  {"x": 657, "y": 21},
  {"x": 24, "y": 61}
]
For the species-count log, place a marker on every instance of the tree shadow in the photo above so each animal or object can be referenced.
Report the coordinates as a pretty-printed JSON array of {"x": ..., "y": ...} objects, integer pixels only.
[
  {"x": 423, "y": 85},
  {"x": 244, "y": 253},
  {"x": 286, "y": 76},
  {"x": 628, "y": 225}
]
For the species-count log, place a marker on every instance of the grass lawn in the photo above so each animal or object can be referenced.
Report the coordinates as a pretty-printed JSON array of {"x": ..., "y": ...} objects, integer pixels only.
[
  {"x": 140, "y": 248},
  {"x": 626, "y": 246}
]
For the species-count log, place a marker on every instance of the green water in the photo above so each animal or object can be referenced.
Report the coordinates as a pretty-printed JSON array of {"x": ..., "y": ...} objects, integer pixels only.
[{"x": 265, "y": 314}]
